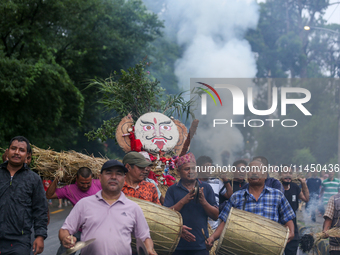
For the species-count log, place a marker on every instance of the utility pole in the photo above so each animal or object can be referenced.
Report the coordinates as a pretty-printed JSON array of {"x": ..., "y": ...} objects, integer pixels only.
[
  {"x": 269, "y": 91},
  {"x": 338, "y": 95}
]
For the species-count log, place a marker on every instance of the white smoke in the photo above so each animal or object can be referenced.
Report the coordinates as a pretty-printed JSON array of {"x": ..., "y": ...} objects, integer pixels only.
[{"x": 211, "y": 34}]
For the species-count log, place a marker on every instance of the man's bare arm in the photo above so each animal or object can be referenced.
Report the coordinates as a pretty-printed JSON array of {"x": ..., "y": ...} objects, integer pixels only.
[
  {"x": 50, "y": 192},
  {"x": 66, "y": 239}
]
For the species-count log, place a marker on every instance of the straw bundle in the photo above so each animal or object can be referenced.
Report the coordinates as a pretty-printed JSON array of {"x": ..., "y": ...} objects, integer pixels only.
[
  {"x": 65, "y": 164},
  {"x": 308, "y": 241}
]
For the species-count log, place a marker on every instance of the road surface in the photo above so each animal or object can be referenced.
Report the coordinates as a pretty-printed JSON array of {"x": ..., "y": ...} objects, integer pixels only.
[{"x": 58, "y": 217}]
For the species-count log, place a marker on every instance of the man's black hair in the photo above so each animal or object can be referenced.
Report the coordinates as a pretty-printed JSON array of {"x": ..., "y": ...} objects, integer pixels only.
[
  {"x": 240, "y": 161},
  {"x": 84, "y": 172},
  {"x": 22, "y": 139},
  {"x": 261, "y": 159},
  {"x": 203, "y": 160}
]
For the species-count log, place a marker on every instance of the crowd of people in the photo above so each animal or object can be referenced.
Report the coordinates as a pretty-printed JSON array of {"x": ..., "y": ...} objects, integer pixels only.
[{"x": 103, "y": 211}]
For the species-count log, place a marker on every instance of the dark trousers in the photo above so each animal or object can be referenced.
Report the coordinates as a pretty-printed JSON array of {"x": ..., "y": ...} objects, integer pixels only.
[
  {"x": 14, "y": 248},
  {"x": 191, "y": 252},
  {"x": 291, "y": 247},
  {"x": 334, "y": 252}
]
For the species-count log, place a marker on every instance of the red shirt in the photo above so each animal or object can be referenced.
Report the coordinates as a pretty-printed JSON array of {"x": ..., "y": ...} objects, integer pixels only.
[{"x": 145, "y": 190}]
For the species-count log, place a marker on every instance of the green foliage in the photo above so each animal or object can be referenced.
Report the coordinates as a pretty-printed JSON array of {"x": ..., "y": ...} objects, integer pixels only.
[
  {"x": 135, "y": 92},
  {"x": 284, "y": 48},
  {"x": 39, "y": 101},
  {"x": 49, "y": 49},
  {"x": 303, "y": 157}
]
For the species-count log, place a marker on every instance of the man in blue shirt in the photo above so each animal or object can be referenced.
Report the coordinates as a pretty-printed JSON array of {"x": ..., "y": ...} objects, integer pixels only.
[
  {"x": 195, "y": 211},
  {"x": 258, "y": 199}
]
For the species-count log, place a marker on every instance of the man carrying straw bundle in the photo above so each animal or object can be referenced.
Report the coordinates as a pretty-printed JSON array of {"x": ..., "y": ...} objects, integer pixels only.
[
  {"x": 259, "y": 199},
  {"x": 85, "y": 186},
  {"x": 195, "y": 209}
]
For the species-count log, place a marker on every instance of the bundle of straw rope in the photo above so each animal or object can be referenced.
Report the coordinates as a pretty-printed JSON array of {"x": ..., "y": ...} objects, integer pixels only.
[
  {"x": 65, "y": 164},
  {"x": 308, "y": 241}
]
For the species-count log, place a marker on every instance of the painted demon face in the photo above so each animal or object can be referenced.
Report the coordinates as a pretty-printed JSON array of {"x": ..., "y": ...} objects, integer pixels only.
[{"x": 157, "y": 132}]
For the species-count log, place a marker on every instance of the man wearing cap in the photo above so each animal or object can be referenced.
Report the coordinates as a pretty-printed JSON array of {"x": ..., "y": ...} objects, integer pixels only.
[
  {"x": 194, "y": 210},
  {"x": 135, "y": 185},
  {"x": 109, "y": 216}
]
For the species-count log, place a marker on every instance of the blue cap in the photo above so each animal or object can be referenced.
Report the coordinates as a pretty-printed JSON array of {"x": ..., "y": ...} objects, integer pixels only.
[{"x": 112, "y": 163}]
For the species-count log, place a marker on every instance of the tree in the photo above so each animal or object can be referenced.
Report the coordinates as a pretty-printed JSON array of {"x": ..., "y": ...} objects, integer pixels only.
[
  {"x": 49, "y": 52},
  {"x": 285, "y": 50},
  {"x": 135, "y": 92},
  {"x": 303, "y": 157},
  {"x": 33, "y": 106}
]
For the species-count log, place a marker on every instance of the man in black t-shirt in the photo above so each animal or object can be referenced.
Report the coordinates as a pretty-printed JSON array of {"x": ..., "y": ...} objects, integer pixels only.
[
  {"x": 293, "y": 193},
  {"x": 314, "y": 186}
]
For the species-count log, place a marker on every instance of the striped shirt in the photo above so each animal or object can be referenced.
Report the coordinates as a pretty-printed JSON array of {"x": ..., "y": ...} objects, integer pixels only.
[
  {"x": 271, "y": 204},
  {"x": 330, "y": 188}
]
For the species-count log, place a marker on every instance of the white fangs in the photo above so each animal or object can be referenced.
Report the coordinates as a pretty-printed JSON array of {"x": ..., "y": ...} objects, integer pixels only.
[{"x": 160, "y": 140}]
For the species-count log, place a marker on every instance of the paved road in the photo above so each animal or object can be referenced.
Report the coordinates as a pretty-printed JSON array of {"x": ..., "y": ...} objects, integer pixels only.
[{"x": 58, "y": 217}]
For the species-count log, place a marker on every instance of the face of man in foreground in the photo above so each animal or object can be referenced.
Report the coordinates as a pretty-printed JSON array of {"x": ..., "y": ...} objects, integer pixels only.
[
  {"x": 256, "y": 176},
  {"x": 112, "y": 179},
  {"x": 17, "y": 153}
]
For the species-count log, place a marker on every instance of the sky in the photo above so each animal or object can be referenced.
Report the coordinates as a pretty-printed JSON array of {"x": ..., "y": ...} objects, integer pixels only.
[{"x": 333, "y": 12}]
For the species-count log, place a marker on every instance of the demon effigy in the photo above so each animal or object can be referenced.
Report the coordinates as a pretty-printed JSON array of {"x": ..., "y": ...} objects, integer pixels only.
[
  {"x": 161, "y": 137},
  {"x": 157, "y": 132}
]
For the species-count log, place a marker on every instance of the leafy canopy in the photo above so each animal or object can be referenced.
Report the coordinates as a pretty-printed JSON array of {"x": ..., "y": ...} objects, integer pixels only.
[{"x": 135, "y": 92}]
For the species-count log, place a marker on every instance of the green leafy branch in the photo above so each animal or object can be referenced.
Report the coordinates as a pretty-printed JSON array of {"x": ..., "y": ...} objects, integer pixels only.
[{"x": 136, "y": 92}]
